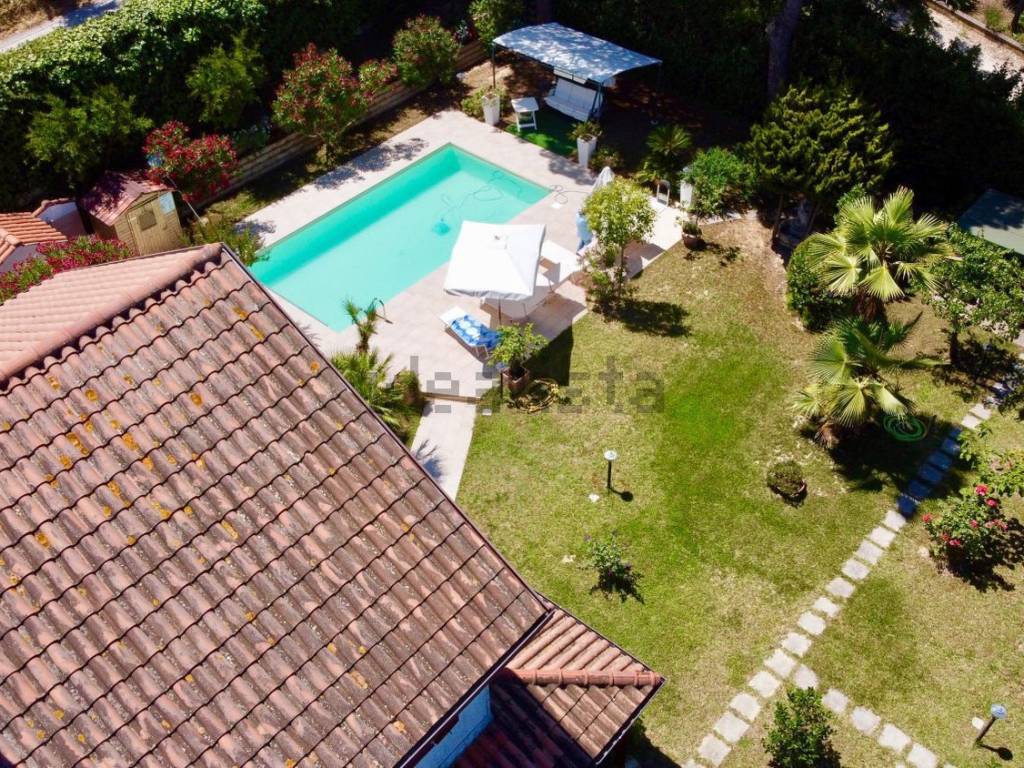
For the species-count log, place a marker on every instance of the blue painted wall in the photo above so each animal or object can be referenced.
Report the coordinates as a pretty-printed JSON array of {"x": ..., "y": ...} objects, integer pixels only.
[{"x": 472, "y": 721}]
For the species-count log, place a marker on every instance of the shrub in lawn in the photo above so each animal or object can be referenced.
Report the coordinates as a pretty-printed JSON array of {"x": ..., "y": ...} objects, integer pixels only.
[
  {"x": 60, "y": 257},
  {"x": 722, "y": 182},
  {"x": 493, "y": 17},
  {"x": 801, "y": 734},
  {"x": 807, "y": 295},
  {"x": 198, "y": 168},
  {"x": 607, "y": 558},
  {"x": 77, "y": 138},
  {"x": 473, "y": 104},
  {"x": 322, "y": 96},
  {"x": 786, "y": 478},
  {"x": 425, "y": 52},
  {"x": 225, "y": 82},
  {"x": 969, "y": 531}
]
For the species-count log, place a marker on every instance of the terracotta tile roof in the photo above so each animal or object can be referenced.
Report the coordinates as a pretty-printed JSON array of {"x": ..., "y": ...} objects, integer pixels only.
[
  {"x": 17, "y": 229},
  {"x": 115, "y": 193},
  {"x": 564, "y": 700},
  {"x": 212, "y": 553}
]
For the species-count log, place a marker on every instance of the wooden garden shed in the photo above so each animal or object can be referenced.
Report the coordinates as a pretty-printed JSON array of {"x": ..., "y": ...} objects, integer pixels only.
[{"x": 136, "y": 210}]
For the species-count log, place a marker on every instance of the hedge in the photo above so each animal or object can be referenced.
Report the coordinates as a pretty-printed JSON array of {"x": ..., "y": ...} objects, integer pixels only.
[{"x": 147, "y": 49}]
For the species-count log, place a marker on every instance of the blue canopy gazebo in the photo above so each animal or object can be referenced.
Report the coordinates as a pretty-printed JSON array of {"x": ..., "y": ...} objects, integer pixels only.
[{"x": 577, "y": 59}]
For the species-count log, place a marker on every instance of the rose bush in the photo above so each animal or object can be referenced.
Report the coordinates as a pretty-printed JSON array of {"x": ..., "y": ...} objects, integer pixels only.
[{"x": 969, "y": 530}]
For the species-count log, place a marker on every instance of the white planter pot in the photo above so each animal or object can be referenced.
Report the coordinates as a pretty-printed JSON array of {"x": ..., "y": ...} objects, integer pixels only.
[
  {"x": 492, "y": 109},
  {"x": 585, "y": 149}
]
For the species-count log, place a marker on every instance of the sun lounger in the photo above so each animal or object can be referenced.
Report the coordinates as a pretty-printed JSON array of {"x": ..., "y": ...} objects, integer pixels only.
[{"x": 470, "y": 331}]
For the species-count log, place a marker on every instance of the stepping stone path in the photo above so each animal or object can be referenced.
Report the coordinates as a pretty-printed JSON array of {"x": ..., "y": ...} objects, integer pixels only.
[{"x": 783, "y": 662}]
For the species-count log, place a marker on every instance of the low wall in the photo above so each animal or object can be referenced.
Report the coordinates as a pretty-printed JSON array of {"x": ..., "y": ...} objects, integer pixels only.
[{"x": 293, "y": 146}]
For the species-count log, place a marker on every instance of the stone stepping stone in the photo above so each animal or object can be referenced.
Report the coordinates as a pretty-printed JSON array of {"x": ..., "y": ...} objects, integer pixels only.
[
  {"x": 713, "y": 750},
  {"x": 780, "y": 663},
  {"x": 931, "y": 475},
  {"x": 883, "y": 537},
  {"x": 804, "y": 678},
  {"x": 691, "y": 763},
  {"x": 796, "y": 643},
  {"x": 918, "y": 490},
  {"x": 920, "y": 757},
  {"x": 864, "y": 720},
  {"x": 907, "y": 505},
  {"x": 940, "y": 460},
  {"x": 731, "y": 728},
  {"x": 894, "y": 521},
  {"x": 981, "y": 412},
  {"x": 855, "y": 569},
  {"x": 893, "y": 738},
  {"x": 825, "y": 606},
  {"x": 869, "y": 552},
  {"x": 950, "y": 446},
  {"x": 971, "y": 421},
  {"x": 835, "y": 701},
  {"x": 811, "y": 623},
  {"x": 765, "y": 684},
  {"x": 840, "y": 587},
  {"x": 746, "y": 705}
]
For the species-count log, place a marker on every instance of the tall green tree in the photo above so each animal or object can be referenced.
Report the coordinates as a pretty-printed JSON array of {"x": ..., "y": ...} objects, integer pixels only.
[
  {"x": 819, "y": 142},
  {"x": 876, "y": 254},
  {"x": 78, "y": 138},
  {"x": 225, "y": 82},
  {"x": 494, "y": 17},
  {"x": 982, "y": 288},
  {"x": 855, "y": 376},
  {"x": 619, "y": 213}
]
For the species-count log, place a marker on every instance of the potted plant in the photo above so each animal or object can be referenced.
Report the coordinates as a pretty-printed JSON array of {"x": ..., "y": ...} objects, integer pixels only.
[
  {"x": 786, "y": 479},
  {"x": 692, "y": 234},
  {"x": 586, "y": 135},
  {"x": 490, "y": 100},
  {"x": 516, "y": 345}
]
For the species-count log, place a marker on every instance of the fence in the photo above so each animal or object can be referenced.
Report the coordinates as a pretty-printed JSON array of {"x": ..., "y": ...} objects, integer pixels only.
[{"x": 293, "y": 146}]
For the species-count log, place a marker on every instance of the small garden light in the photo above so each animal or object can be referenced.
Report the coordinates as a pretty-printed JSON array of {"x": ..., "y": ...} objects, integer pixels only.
[
  {"x": 996, "y": 712},
  {"x": 610, "y": 456}
]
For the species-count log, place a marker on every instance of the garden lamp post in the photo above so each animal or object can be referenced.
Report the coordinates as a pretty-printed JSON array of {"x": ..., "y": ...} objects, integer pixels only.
[
  {"x": 996, "y": 712},
  {"x": 610, "y": 456}
]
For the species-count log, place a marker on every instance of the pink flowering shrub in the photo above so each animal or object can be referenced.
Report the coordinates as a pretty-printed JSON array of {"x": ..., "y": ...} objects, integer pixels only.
[
  {"x": 59, "y": 257},
  {"x": 969, "y": 530},
  {"x": 198, "y": 168},
  {"x": 321, "y": 96},
  {"x": 425, "y": 52}
]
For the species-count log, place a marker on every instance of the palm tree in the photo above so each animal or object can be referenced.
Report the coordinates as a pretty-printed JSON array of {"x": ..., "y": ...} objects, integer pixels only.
[
  {"x": 667, "y": 148},
  {"x": 854, "y": 376},
  {"x": 365, "y": 321},
  {"x": 874, "y": 254},
  {"x": 367, "y": 373}
]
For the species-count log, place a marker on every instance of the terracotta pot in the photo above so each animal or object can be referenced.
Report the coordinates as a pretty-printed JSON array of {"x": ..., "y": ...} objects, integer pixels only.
[
  {"x": 515, "y": 387},
  {"x": 694, "y": 242}
]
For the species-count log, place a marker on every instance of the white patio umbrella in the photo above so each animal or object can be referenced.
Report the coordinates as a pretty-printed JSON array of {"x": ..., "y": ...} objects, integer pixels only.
[{"x": 495, "y": 261}]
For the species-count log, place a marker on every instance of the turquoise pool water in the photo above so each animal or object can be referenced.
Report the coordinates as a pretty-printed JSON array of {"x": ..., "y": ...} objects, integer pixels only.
[{"x": 393, "y": 235}]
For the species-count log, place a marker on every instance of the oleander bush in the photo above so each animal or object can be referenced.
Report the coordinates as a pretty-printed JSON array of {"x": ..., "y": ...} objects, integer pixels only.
[
  {"x": 425, "y": 52},
  {"x": 197, "y": 168},
  {"x": 53, "y": 258}
]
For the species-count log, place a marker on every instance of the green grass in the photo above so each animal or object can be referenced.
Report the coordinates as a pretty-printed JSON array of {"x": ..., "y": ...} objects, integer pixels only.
[
  {"x": 727, "y": 567},
  {"x": 552, "y": 132}
]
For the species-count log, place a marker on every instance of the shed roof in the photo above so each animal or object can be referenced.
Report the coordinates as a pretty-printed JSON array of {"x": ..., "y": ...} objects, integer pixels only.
[
  {"x": 211, "y": 551},
  {"x": 116, "y": 192},
  {"x": 18, "y": 229},
  {"x": 582, "y": 55},
  {"x": 998, "y": 218}
]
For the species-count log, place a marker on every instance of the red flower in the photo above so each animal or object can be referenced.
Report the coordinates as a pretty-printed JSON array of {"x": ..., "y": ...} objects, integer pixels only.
[
  {"x": 954, "y": 543},
  {"x": 974, "y": 523},
  {"x": 927, "y": 518},
  {"x": 992, "y": 503},
  {"x": 981, "y": 489}
]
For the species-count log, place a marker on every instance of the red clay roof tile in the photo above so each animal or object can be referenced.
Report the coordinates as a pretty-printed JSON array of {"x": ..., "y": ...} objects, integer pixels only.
[
  {"x": 18, "y": 229},
  {"x": 211, "y": 552},
  {"x": 115, "y": 193}
]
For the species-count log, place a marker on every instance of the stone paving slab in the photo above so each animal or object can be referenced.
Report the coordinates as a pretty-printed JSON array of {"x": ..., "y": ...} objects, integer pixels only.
[
  {"x": 920, "y": 757},
  {"x": 731, "y": 728},
  {"x": 765, "y": 684},
  {"x": 894, "y": 521},
  {"x": 442, "y": 441},
  {"x": 981, "y": 412},
  {"x": 869, "y": 552},
  {"x": 796, "y": 643},
  {"x": 835, "y": 701},
  {"x": 918, "y": 490},
  {"x": 804, "y": 678},
  {"x": 714, "y": 750},
  {"x": 893, "y": 738},
  {"x": 840, "y": 587},
  {"x": 971, "y": 421},
  {"x": 931, "y": 475},
  {"x": 950, "y": 446},
  {"x": 746, "y": 705},
  {"x": 811, "y": 623},
  {"x": 825, "y": 606},
  {"x": 780, "y": 663},
  {"x": 856, "y": 570},
  {"x": 864, "y": 720},
  {"x": 882, "y": 537},
  {"x": 940, "y": 460},
  {"x": 907, "y": 505}
]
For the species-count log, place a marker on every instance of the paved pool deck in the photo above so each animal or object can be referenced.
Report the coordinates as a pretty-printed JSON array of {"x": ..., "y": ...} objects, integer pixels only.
[{"x": 413, "y": 333}]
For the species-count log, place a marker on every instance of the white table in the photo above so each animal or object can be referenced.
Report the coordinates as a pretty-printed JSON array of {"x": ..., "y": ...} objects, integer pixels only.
[{"x": 526, "y": 112}]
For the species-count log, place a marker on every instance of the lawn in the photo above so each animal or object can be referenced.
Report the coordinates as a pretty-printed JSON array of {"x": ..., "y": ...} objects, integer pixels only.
[
  {"x": 551, "y": 133},
  {"x": 704, "y": 370}
]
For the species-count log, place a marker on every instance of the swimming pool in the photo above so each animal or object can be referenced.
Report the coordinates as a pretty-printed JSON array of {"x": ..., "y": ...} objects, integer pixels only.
[{"x": 393, "y": 235}]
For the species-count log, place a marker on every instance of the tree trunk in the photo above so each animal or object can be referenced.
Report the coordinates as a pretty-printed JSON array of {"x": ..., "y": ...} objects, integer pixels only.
[
  {"x": 869, "y": 307},
  {"x": 781, "y": 31},
  {"x": 1018, "y": 9}
]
